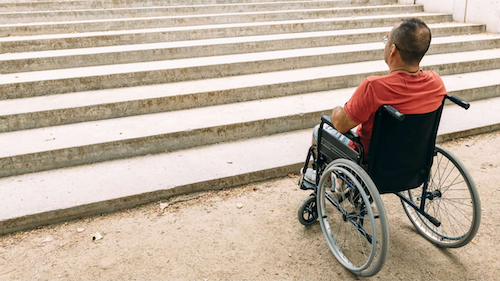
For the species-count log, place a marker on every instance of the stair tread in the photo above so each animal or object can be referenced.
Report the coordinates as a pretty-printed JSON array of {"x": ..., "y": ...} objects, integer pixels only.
[
  {"x": 119, "y": 129},
  {"x": 177, "y": 23},
  {"x": 224, "y": 41},
  {"x": 222, "y": 15},
  {"x": 89, "y": 98},
  {"x": 167, "y": 29},
  {"x": 166, "y": 7},
  {"x": 40, "y": 192},
  {"x": 92, "y": 188},
  {"x": 95, "y": 71}
]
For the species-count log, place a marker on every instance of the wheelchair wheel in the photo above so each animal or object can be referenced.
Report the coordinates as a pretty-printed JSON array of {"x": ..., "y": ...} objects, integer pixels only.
[
  {"x": 308, "y": 213},
  {"x": 353, "y": 221},
  {"x": 453, "y": 200}
]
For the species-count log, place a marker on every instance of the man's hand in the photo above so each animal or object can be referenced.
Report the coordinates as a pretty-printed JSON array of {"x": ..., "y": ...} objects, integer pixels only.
[{"x": 341, "y": 121}]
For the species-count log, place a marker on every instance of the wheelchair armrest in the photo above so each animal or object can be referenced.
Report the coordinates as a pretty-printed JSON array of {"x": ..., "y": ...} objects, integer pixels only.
[
  {"x": 349, "y": 134},
  {"x": 458, "y": 101},
  {"x": 352, "y": 136},
  {"x": 328, "y": 120}
]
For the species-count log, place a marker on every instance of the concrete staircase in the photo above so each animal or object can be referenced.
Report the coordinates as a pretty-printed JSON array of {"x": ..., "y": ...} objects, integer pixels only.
[{"x": 190, "y": 95}]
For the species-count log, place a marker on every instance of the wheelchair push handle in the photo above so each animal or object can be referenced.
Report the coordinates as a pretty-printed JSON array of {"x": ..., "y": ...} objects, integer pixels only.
[
  {"x": 458, "y": 101},
  {"x": 394, "y": 112}
]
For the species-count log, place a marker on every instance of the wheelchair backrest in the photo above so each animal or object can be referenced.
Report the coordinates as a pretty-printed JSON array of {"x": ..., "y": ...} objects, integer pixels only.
[{"x": 401, "y": 152}]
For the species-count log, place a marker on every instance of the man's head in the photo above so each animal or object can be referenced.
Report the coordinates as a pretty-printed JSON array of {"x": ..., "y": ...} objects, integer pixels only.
[{"x": 410, "y": 40}]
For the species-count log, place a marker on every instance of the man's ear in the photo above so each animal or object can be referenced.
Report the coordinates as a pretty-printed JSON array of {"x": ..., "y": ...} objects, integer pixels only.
[{"x": 393, "y": 50}]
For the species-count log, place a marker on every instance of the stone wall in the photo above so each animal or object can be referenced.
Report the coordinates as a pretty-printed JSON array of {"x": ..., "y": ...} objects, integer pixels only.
[{"x": 473, "y": 11}]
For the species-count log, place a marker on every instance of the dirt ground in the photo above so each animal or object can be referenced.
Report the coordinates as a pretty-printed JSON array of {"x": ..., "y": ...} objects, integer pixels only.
[{"x": 249, "y": 233}]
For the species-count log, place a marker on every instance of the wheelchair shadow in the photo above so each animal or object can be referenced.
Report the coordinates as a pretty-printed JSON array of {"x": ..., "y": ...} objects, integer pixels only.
[
  {"x": 402, "y": 245},
  {"x": 445, "y": 251}
]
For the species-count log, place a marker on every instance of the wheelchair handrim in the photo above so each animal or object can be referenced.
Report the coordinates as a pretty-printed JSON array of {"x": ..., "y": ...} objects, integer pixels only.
[{"x": 325, "y": 224}]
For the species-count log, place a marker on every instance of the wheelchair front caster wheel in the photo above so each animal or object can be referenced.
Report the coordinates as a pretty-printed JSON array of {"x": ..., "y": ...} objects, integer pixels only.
[{"x": 308, "y": 212}]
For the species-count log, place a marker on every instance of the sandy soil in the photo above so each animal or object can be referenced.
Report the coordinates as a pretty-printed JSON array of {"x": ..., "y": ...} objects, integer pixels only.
[{"x": 249, "y": 233}]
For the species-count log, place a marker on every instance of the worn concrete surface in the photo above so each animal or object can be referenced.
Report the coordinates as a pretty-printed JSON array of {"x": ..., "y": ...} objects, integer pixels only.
[
  {"x": 58, "y": 14},
  {"x": 30, "y": 5},
  {"x": 37, "y": 83},
  {"x": 60, "y": 59},
  {"x": 255, "y": 158},
  {"x": 227, "y": 18},
  {"x": 285, "y": 25},
  {"x": 81, "y": 143},
  {"x": 15, "y": 44},
  {"x": 52, "y": 110}
]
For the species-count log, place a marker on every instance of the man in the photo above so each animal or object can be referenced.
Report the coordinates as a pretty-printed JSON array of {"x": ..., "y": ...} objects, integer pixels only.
[{"x": 407, "y": 88}]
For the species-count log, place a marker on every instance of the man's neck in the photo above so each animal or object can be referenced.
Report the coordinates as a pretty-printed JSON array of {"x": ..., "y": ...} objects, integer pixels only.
[{"x": 413, "y": 70}]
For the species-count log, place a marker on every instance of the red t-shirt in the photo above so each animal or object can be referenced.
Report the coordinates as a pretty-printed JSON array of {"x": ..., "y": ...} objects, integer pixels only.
[{"x": 410, "y": 94}]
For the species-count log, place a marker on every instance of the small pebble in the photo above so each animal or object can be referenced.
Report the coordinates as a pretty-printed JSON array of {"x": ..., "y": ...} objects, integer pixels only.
[
  {"x": 163, "y": 206},
  {"x": 239, "y": 205},
  {"x": 96, "y": 236},
  {"x": 469, "y": 143}
]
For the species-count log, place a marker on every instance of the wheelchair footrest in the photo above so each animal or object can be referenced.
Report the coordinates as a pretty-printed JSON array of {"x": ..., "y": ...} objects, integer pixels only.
[{"x": 305, "y": 185}]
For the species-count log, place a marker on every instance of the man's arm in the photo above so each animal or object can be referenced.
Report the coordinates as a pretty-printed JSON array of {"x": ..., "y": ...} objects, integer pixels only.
[{"x": 341, "y": 121}]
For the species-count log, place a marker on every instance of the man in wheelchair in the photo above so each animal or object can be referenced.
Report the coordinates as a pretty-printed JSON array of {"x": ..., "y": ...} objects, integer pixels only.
[
  {"x": 392, "y": 151},
  {"x": 407, "y": 88}
]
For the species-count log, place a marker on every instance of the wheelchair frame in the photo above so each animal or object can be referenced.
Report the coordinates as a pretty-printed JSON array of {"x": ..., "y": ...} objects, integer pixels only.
[{"x": 326, "y": 161}]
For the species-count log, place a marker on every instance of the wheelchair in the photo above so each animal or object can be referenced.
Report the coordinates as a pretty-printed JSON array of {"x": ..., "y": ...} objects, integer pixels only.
[{"x": 436, "y": 191}]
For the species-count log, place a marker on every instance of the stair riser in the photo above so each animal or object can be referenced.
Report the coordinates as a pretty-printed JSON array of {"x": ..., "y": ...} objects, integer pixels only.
[
  {"x": 61, "y": 215},
  {"x": 25, "y": 30},
  {"x": 124, "y": 109},
  {"x": 178, "y": 102},
  {"x": 75, "y": 5},
  {"x": 98, "y": 208},
  {"x": 79, "y": 84},
  {"x": 52, "y": 16},
  {"x": 170, "y": 36},
  {"x": 23, "y": 65},
  {"x": 22, "y": 164}
]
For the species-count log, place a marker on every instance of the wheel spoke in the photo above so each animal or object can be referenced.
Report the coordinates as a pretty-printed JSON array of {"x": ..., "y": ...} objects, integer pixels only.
[
  {"x": 449, "y": 218},
  {"x": 451, "y": 183},
  {"x": 455, "y": 206},
  {"x": 444, "y": 171},
  {"x": 352, "y": 242}
]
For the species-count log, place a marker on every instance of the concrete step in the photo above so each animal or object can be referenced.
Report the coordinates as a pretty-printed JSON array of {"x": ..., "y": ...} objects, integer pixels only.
[
  {"x": 39, "y": 83},
  {"x": 30, "y": 5},
  {"x": 298, "y": 31},
  {"x": 53, "y": 196},
  {"x": 58, "y": 15},
  {"x": 29, "y": 113},
  {"x": 287, "y": 19},
  {"x": 58, "y": 59},
  {"x": 75, "y": 144}
]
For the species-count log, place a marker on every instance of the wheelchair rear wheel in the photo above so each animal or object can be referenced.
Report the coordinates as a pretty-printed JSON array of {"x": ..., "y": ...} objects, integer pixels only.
[
  {"x": 353, "y": 220},
  {"x": 453, "y": 200}
]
